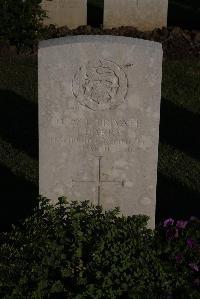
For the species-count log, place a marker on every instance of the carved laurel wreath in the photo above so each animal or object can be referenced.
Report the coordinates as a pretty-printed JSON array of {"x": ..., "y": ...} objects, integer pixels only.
[{"x": 100, "y": 85}]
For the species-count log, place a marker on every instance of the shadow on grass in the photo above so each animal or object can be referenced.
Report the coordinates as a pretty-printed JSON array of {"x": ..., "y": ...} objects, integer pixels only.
[
  {"x": 19, "y": 122},
  {"x": 175, "y": 200},
  {"x": 17, "y": 198},
  {"x": 180, "y": 128}
]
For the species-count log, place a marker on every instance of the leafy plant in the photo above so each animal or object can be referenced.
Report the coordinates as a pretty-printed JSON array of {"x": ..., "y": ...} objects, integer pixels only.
[
  {"x": 21, "y": 22},
  {"x": 77, "y": 250}
]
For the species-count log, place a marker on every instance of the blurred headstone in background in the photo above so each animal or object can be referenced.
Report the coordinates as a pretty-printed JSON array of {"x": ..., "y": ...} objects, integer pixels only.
[
  {"x": 70, "y": 13},
  {"x": 145, "y": 15}
]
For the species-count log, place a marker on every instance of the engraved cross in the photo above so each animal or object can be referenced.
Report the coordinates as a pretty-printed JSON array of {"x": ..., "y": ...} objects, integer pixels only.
[{"x": 99, "y": 181}]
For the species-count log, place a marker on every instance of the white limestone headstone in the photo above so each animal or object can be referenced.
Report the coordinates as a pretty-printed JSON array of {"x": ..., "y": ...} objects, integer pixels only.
[
  {"x": 99, "y": 110},
  {"x": 71, "y": 13},
  {"x": 145, "y": 15}
]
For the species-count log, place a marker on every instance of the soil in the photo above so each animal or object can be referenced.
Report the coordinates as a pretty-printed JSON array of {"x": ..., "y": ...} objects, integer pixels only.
[{"x": 177, "y": 42}]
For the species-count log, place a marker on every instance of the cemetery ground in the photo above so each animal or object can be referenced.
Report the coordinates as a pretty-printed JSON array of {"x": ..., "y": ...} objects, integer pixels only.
[{"x": 178, "y": 187}]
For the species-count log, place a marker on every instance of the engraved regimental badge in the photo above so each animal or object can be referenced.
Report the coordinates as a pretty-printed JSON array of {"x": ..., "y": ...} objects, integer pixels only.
[{"x": 100, "y": 85}]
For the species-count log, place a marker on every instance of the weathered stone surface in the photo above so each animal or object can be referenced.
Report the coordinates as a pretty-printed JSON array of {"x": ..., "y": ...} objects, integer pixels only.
[
  {"x": 99, "y": 110},
  {"x": 142, "y": 14},
  {"x": 71, "y": 13}
]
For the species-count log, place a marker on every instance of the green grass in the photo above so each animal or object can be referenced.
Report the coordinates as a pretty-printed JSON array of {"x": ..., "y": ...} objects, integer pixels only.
[
  {"x": 178, "y": 189},
  {"x": 19, "y": 74},
  {"x": 181, "y": 83}
]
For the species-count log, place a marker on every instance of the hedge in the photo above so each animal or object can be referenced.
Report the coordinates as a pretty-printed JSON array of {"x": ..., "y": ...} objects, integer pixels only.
[{"x": 77, "y": 250}]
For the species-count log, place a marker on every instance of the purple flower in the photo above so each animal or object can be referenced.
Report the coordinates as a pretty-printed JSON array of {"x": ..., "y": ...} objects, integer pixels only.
[
  {"x": 168, "y": 222},
  {"x": 178, "y": 258},
  {"x": 191, "y": 243},
  {"x": 181, "y": 224},
  {"x": 194, "y": 266}
]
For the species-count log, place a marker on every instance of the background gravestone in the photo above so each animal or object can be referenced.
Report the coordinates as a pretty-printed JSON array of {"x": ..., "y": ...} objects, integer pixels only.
[
  {"x": 142, "y": 14},
  {"x": 71, "y": 13},
  {"x": 99, "y": 109}
]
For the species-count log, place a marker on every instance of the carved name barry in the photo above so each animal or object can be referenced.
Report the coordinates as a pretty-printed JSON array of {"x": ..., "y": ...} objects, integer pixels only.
[{"x": 99, "y": 103}]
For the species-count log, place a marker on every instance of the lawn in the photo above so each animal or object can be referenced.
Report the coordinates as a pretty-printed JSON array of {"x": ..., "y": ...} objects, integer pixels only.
[{"x": 178, "y": 188}]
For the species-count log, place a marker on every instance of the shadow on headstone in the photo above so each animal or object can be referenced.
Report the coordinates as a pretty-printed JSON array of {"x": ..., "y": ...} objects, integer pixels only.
[
  {"x": 95, "y": 13},
  {"x": 179, "y": 127},
  {"x": 19, "y": 122},
  {"x": 17, "y": 198},
  {"x": 175, "y": 200}
]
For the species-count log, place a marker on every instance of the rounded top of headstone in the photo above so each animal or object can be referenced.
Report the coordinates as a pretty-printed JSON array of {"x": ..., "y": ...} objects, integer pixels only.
[{"x": 98, "y": 38}]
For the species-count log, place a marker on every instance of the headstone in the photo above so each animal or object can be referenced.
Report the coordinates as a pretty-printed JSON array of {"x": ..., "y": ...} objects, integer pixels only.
[
  {"x": 71, "y": 13},
  {"x": 145, "y": 15},
  {"x": 99, "y": 110}
]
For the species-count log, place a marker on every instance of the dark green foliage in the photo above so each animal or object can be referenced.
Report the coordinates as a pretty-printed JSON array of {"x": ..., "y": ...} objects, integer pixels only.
[
  {"x": 77, "y": 250},
  {"x": 21, "y": 22}
]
